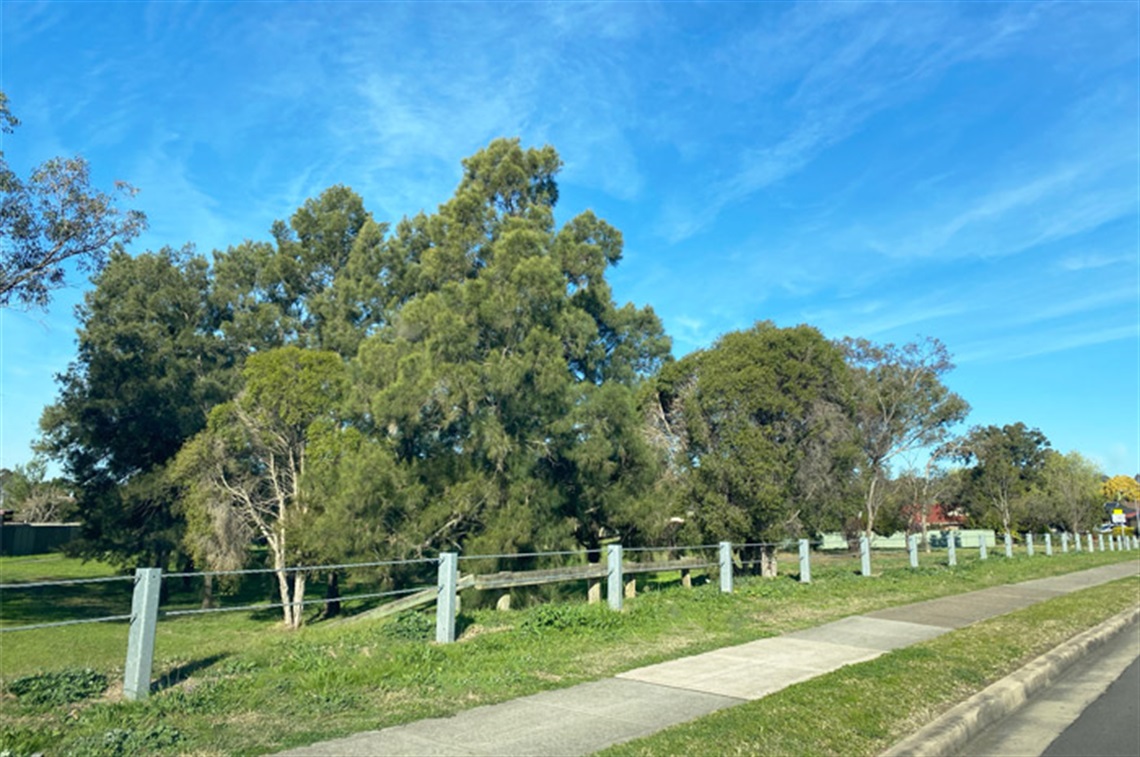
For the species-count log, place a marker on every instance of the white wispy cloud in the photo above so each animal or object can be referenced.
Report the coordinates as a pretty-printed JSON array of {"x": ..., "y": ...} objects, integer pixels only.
[
  {"x": 1091, "y": 260},
  {"x": 1045, "y": 342},
  {"x": 825, "y": 72}
]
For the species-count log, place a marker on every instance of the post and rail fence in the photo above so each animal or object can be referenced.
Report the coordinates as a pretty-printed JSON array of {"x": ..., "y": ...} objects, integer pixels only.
[{"x": 616, "y": 571}]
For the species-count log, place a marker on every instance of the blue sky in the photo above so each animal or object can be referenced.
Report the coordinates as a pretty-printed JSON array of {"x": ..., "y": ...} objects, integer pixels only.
[{"x": 969, "y": 171}]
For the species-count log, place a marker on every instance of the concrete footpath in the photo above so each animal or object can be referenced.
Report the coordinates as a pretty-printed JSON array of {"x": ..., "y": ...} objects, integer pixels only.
[{"x": 586, "y": 718}]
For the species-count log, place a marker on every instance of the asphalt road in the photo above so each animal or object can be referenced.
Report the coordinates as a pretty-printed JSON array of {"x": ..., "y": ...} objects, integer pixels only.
[
  {"x": 1110, "y": 726},
  {"x": 1092, "y": 710}
]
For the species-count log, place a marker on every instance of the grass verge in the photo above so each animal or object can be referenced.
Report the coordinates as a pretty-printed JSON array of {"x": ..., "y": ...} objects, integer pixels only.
[
  {"x": 863, "y": 709},
  {"x": 237, "y": 684}
]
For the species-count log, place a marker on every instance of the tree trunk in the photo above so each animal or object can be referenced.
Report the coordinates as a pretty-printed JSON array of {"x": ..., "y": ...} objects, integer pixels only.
[
  {"x": 283, "y": 592},
  {"x": 768, "y": 561},
  {"x": 207, "y": 591},
  {"x": 277, "y": 547},
  {"x": 332, "y": 595},
  {"x": 869, "y": 526},
  {"x": 298, "y": 598}
]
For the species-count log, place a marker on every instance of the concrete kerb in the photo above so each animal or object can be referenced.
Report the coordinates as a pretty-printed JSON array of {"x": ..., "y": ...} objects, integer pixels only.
[{"x": 950, "y": 732}]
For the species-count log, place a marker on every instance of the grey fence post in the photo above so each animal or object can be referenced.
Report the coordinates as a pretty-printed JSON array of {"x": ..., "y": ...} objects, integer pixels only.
[
  {"x": 865, "y": 554},
  {"x": 1077, "y": 542},
  {"x": 615, "y": 586},
  {"x": 1091, "y": 547},
  {"x": 140, "y": 640},
  {"x": 805, "y": 561},
  {"x": 1112, "y": 542},
  {"x": 1065, "y": 542},
  {"x": 1048, "y": 545},
  {"x": 1100, "y": 541},
  {"x": 447, "y": 600},
  {"x": 1008, "y": 545},
  {"x": 912, "y": 549},
  {"x": 726, "y": 567},
  {"x": 982, "y": 547},
  {"x": 951, "y": 549},
  {"x": 1029, "y": 544}
]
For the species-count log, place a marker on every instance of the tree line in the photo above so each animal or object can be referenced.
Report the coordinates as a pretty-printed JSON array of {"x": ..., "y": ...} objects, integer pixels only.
[{"x": 352, "y": 390}]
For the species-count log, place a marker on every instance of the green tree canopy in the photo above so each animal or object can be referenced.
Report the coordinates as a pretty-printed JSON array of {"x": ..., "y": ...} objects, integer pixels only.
[
  {"x": 53, "y": 218},
  {"x": 505, "y": 378},
  {"x": 244, "y": 472},
  {"x": 320, "y": 283},
  {"x": 757, "y": 431},
  {"x": 150, "y": 367},
  {"x": 901, "y": 405},
  {"x": 1068, "y": 492},
  {"x": 1004, "y": 464}
]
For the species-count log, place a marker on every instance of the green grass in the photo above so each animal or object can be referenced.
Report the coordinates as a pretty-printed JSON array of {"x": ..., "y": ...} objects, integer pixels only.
[
  {"x": 863, "y": 709},
  {"x": 236, "y": 683}
]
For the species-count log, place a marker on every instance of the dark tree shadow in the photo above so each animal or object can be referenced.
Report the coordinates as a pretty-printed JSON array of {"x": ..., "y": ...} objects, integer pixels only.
[{"x": 180, "y": 673}]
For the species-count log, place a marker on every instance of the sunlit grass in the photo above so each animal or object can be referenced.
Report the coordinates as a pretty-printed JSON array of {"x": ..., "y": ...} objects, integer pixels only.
[
  {"x": 236, "y": 683},
  {"x": 863, "y": 709}
]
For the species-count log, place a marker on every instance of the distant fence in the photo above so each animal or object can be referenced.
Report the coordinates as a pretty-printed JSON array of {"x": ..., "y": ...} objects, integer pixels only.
[
  {"x": 19, "y": 539},
  {"x": 965, "y": 537},
  {"x": 608, "y": 566}
]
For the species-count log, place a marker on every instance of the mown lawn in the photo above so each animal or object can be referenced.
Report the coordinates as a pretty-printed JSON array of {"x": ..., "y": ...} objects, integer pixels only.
[{"x": 235, "y": 683}]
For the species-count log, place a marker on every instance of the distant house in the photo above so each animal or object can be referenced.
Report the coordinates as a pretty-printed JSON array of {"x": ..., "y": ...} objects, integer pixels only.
[{"x": 939, "y": 517}]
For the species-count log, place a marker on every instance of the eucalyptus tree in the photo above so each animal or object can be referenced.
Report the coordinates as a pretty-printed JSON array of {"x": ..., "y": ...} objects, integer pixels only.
[
  {"x": 901, "y": 405},
  {"x": 1069, "y": 488},
  {"x": 244, "y": 471},
  {"x": 1005, "y": 462},
  {"x": 52, "y": 219}
]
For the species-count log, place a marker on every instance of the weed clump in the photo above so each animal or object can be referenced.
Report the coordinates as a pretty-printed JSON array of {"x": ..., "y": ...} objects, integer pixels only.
[
  {"x": 411, "y": 626},
  {"x": 58, "y": 687},
  {"x": 566, "y": 617}
]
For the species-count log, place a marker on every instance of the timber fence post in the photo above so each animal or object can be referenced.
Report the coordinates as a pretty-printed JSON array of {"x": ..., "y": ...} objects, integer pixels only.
[
  {"x": 140, "y": 640},
  {"x": 726, "y": 567},
  {"x": 1048, "y": 545},
  {"x": 982, "y": 547},
  {"x": 864, "y": 555},
  {"x": 1064, "y": 542},
  {"x": 1008, "y": 545},
  {"x": 1029, "y": 544},
  {"x": 615, "y": 587},
  {"x": 912, "y": 549},
  {"x": 1100, "y": 541},
  {"x": 805, "y": 561},
  {"x": 447, "y": 601},
  {"x": 1091, "y": 547},
  {"x": 951, "y": 549}
]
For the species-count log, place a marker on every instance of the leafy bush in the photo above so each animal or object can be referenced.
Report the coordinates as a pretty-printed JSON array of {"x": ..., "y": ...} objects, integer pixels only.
[
  {"x": 58, "y": 687},
  {"x": 128, "y": 742},
  {"x": 410, "y": 626},
  {"x": 569, "y": 617}
]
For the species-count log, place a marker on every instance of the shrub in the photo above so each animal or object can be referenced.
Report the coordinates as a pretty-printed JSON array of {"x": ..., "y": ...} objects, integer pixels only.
[
  {"x": 569, "y": 617},
  {"x": 59, "y": 687},
  {"x": 410, "y": 626}
]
